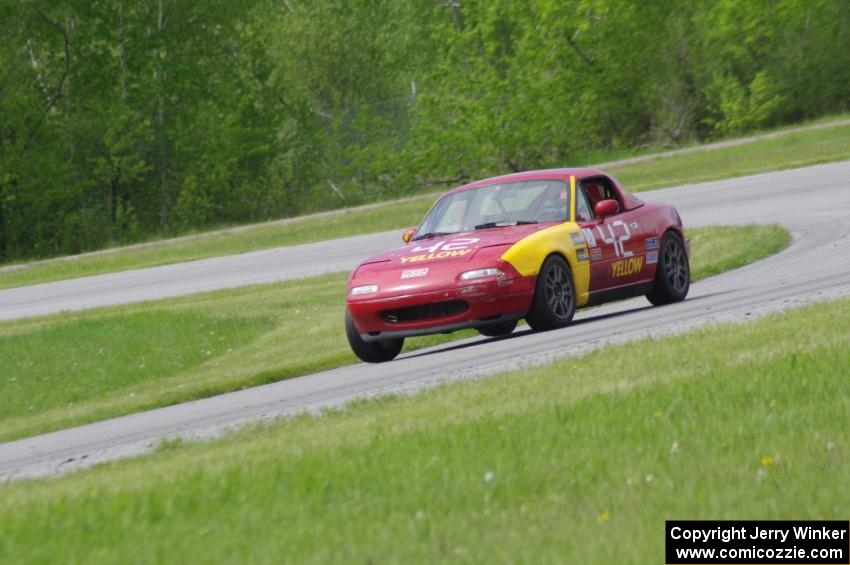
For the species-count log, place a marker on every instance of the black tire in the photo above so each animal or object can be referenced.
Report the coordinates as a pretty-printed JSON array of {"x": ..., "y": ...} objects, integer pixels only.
[
  {"x": 673, "y": 274},
  {"x": 371, "y": 351},
  {"x": 554, "y": 302},
  {"x": 498, "y": 329}
]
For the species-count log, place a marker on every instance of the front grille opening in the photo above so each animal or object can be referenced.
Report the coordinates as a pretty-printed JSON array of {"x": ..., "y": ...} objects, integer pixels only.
[{"x": 425, "y": 311}]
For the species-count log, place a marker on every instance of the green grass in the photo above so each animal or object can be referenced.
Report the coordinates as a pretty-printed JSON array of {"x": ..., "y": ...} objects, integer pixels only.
[
  {"x": 63, "y": 364},
  {"x": 75, "y": 368},
  {"x": 595, "y": 156},
  {"x": 711, "y": 253},
  {"x": 793, "y": 150},
  {"x": 580, "y": 461}
]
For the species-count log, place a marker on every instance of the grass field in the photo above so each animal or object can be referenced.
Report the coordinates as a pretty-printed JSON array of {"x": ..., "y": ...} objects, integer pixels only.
[
  {"x": 74, "y": 368},
  {"x": 580, "y": 461},
  {"x": 792, "y": 150}
]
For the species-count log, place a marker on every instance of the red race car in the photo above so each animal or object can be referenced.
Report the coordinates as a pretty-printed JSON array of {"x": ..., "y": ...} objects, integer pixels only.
[{"x": 534, "y": 245}]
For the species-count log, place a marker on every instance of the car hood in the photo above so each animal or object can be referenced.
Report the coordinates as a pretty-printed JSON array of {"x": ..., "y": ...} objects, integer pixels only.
[{"x": 459, "y": 247}]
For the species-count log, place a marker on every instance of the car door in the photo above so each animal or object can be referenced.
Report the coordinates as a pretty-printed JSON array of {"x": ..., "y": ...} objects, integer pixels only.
[{"x": 616, "y": 244}]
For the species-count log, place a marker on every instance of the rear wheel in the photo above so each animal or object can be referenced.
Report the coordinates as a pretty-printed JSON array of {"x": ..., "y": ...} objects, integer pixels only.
[
  {"x": 371, "y": 351},
  {"x": 498, "y": 329},
  {"x": 554, "y": 302},
  {"x": 673, "y": 275}
]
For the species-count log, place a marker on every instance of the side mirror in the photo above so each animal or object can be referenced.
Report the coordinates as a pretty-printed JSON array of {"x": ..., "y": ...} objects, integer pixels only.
[
  {"x": 407, "y": 234},
  {"x": 605, "y": 208}
]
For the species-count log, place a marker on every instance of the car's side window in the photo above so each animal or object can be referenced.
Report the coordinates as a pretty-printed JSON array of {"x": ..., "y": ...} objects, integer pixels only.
[
  {"x": 584, "y": 213},
  {"x": 599, "y": 189}
]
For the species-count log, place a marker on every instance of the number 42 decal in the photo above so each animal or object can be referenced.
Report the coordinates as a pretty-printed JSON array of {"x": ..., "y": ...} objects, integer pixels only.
[
  {"x": 454, "y": 245},
  {"x": 611, "y": 238}
]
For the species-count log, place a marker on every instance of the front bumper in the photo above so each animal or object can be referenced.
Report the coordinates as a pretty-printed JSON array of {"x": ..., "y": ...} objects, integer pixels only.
[{"x": 486, "y": 302}]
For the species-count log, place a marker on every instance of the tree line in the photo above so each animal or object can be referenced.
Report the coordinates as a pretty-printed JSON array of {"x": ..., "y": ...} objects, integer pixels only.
[{"x": 124, "y": 120}]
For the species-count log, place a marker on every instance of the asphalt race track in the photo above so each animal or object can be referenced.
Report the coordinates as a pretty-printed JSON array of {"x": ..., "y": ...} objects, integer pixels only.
[
  {"x": 179, "y": 279},
  {"x": 814, "y": 203}
]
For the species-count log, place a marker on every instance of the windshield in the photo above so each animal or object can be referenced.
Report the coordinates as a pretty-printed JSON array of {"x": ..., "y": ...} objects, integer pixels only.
[{"x": 497, "y": 205}]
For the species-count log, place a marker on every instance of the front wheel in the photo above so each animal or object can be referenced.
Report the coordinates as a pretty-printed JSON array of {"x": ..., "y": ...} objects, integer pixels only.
[
  {"x": 371, "y": 351},
  {"x": 554, "y": 302},
  {"x": 673, "y": 274}
]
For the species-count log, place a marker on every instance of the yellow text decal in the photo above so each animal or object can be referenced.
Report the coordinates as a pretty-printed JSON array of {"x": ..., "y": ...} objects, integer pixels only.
[
  {"x": 626, "y": 267},
  {"x": 440, "y": 255}
]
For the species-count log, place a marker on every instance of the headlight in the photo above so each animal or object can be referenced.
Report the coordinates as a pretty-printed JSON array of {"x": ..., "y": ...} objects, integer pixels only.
[
  {"x": 481, "y": 273},
  {"x": 364, "y": 289}
]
